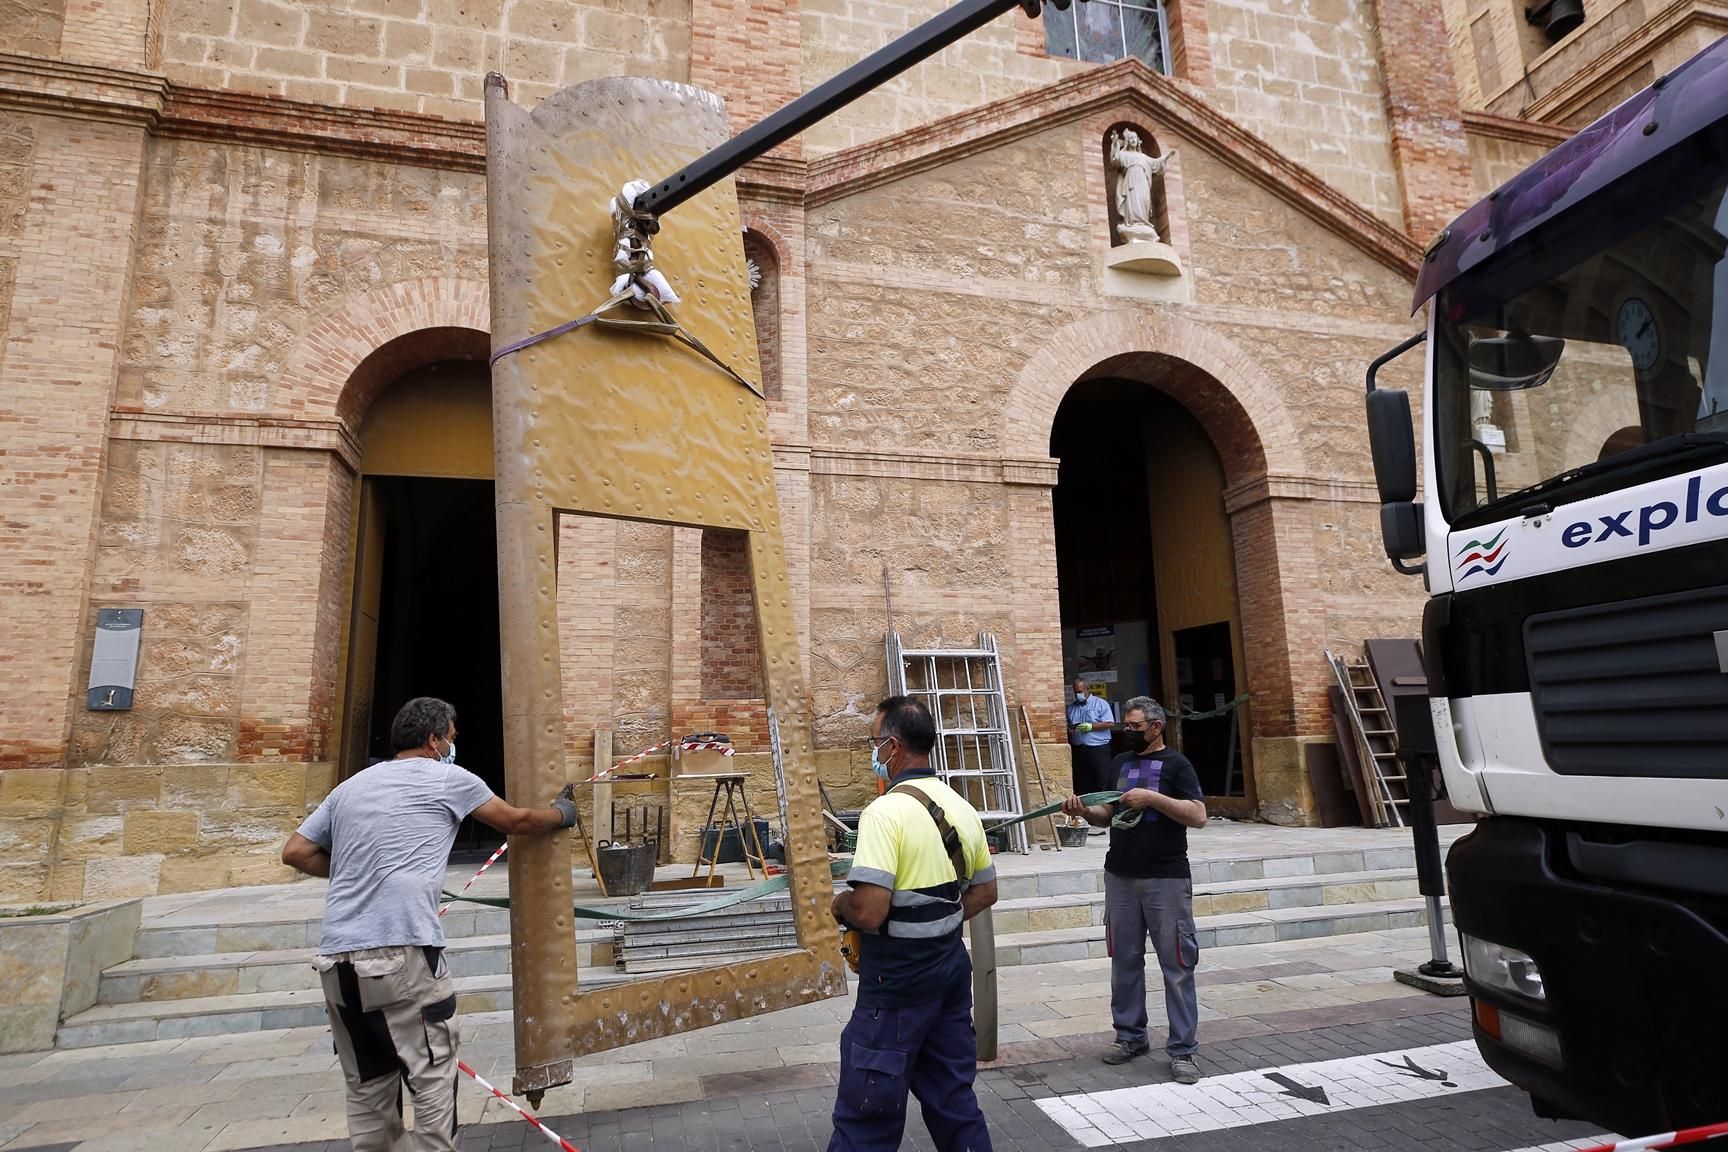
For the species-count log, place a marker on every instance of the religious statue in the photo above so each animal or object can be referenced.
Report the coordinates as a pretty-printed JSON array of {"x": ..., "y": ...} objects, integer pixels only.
[{"x": 1134, "y": 185}]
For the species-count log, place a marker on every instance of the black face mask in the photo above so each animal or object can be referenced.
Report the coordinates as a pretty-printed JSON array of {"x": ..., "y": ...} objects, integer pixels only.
[{"x": 1136, "y": 741}]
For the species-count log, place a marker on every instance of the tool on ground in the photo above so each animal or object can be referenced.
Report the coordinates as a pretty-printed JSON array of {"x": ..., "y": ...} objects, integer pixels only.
[
  {"x": 1038, "y": 770},
  {"x": 520, "y": 1111}
]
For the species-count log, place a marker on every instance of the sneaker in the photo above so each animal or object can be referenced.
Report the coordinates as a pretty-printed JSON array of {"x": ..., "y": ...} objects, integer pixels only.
[
  {"x": 1184, "y": 1069},
  {"x": 1123, "y": 1051}
]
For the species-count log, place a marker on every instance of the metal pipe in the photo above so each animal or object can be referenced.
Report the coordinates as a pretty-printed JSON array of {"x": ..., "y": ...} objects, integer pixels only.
[
  {"x": 1388, "y": 356},
  {"x": 825, "y": 99}
]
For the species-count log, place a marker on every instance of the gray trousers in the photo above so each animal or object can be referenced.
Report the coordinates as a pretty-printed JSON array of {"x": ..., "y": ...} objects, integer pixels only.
[
  {"x": 394, "y": 1024},
  {"x": 1164, "y": 911}
]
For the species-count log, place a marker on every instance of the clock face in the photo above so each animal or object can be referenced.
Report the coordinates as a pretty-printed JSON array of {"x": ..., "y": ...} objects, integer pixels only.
[{"x": 1636, "y": 331}]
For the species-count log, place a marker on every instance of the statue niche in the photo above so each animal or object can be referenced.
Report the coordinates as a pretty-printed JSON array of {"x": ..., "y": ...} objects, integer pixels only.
[{"x": 1138, "y": 205}]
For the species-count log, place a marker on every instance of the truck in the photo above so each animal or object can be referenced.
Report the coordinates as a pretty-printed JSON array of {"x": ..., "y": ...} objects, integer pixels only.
[{"x": 1571, "y": 525}]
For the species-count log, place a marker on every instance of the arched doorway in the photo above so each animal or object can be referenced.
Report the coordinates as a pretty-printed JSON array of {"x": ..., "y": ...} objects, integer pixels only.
[
  {"x": 1146, "y": 570},
  {"x": 424, "y": 592}
]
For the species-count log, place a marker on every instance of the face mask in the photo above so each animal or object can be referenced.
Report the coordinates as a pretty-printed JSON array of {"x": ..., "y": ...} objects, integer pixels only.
[
  {"x": 1079, "y": 697},
  {"x": 1136, "y": 741},
  {"x": 876, "y": 765},
  {"x": 449, "y": 756}
]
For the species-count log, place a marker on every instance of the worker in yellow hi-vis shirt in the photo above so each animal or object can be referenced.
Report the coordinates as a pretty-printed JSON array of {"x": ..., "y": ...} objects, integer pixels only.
[{"x": 922, "y": 869}]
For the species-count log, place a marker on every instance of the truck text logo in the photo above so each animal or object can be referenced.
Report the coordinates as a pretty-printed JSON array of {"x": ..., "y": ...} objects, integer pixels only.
[
  {"x": 1643, "y": 523},
  {"x": 1484, "y": 556}
]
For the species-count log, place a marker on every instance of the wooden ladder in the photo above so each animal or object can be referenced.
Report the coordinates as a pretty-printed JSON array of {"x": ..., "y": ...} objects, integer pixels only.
[{"x": 1376, "y": 739}]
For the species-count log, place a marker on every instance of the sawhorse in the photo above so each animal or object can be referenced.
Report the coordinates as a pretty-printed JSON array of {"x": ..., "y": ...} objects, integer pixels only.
[{"x": 729, "y": 785}]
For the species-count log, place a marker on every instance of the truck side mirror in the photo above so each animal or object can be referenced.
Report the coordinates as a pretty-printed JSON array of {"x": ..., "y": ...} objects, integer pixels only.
[
  {"x": 1402, "y": 531},
  {"x": 1392, "y": 437}
]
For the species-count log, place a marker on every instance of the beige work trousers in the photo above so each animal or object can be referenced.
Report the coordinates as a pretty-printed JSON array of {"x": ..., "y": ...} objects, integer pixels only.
[{"x": 394, "y": 1023}]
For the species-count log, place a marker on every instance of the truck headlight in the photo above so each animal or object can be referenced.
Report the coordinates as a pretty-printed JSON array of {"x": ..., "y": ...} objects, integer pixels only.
[{"x": 1501, "y": 968}]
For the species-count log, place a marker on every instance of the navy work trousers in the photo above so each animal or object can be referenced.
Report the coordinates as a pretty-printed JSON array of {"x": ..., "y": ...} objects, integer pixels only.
[{"x": 928, "y": 1049}]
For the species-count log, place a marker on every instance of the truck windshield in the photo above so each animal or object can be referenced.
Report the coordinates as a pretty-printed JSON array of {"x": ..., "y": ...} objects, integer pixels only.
[{"x": 1559, "y": 358}]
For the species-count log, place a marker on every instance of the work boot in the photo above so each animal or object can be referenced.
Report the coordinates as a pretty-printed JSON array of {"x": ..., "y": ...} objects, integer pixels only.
[
  {"x": 1123, "y": 1051},
  {"x": 1184, "y": 1070}
]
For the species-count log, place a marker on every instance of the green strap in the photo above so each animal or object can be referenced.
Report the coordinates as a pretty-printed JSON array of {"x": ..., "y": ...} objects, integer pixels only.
[
  {"x": 754, "y": 892},
  {"x": 1121, "y": 820}
]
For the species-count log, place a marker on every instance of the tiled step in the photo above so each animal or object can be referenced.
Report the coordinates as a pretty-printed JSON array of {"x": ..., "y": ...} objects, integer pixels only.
[
  {"x": 289, "y": 970},
  {"x": 1043, "y": 913},
  {"x": 1222, "y": 930}
]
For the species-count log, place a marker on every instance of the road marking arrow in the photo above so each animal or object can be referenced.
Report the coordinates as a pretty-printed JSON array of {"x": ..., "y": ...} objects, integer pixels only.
[
  {"x": 1411, "y": 1068},
  {"x": 1314, "y": 1095}
]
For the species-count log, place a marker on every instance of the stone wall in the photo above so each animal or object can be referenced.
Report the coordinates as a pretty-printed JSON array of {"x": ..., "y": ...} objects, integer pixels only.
[
  {"x": 426, "y": 56},
  {"x": 1304, "y": 76},
  {"x": 244, "y": 251}
]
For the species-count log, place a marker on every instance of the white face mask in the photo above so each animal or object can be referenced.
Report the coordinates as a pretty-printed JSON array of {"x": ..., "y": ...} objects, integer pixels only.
[{"x": 449, "y": 756}]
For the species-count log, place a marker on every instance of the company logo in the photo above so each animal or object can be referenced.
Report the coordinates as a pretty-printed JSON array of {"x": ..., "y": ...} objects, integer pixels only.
[
  {"x": 1484, "y": 557},
  {"x": 1651, "y": 518}
]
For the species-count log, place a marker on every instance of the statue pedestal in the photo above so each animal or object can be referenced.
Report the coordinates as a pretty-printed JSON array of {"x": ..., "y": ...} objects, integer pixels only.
[{"x": 1147, "y": 257}]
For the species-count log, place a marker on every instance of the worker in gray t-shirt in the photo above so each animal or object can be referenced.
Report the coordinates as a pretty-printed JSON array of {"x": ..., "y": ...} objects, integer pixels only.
[{"x": 383, "y": 837}]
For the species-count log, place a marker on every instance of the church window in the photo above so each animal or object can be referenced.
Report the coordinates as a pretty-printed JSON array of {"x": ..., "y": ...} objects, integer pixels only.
[{"x": 1101, "y": 31}]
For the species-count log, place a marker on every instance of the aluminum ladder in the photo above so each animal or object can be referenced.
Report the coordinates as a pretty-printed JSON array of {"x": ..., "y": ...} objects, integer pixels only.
[
  {"x": 975, "y": 745},
  {"x": 1376, "y": 739}
]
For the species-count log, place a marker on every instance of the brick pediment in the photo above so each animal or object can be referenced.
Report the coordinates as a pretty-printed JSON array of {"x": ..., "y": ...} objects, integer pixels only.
[{"x": 1134, "y": 91}]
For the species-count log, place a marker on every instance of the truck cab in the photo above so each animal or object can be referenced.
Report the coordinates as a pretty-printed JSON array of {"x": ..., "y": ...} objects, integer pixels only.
[{"x": 1572, "y": 529}]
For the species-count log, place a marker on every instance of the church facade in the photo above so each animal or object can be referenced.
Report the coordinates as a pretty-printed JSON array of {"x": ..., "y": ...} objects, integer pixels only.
[{"x": 1062, "y": 332}]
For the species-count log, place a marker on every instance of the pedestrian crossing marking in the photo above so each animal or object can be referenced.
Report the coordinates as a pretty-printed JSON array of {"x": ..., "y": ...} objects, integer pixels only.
[{"x": 1266, "y": 1095}]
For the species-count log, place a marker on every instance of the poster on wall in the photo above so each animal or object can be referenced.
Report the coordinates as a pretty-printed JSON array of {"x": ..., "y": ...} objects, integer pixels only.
[{"x": 1095, "y": 653}]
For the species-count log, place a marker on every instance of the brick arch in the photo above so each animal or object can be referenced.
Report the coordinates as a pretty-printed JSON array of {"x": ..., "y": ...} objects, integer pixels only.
[
  {"x": 1254, "y": 432},
  {"x": 323, "y": 379},
  {"x": 1223, "y": 387},
  {"x": 773, "y": 236}
]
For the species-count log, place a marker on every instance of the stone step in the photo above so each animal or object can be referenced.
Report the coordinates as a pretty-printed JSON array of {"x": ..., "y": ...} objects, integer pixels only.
[
  {"x": 1337, "y": 889},
  {"x": 261, "y": 1011},
  {"x": 176, "y": 938},
  {"x": 248, "y": 1012},
  {"x": 290, "y": 970},
  {"x": 1071, "y": 881},
  {"x": 1222, "y": 930}
]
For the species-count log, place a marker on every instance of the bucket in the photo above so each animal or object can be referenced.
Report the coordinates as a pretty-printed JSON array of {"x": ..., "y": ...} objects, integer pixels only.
[
  {"x": 1073, "y": 835},
  {"x": 627, "y": 869},
  {"x": 732, "y": 842}
]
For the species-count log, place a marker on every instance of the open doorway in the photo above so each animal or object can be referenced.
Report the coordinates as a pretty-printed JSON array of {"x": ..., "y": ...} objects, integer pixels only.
[
  {"x": 438, "y": 620},
  {"x": 425, "y": 593},
  {"x": 1146, "y": 569}
]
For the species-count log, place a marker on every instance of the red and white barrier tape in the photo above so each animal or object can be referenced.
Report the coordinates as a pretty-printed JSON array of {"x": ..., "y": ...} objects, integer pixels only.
[
  {"x": 1665, "y": 1139},
  {"x": 493, "y": 859},
  {"x": 725, "y": 750},
  {"x": 520, "y": 1111}
]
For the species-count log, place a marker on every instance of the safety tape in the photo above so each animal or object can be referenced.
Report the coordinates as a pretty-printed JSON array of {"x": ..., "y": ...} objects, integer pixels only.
[
  {"x": 726, "y": 749},
  {"x": 1665, "y": 1139},
  {"x": 491, "y": 860},
  {"x": 520, "y": 1111}
]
